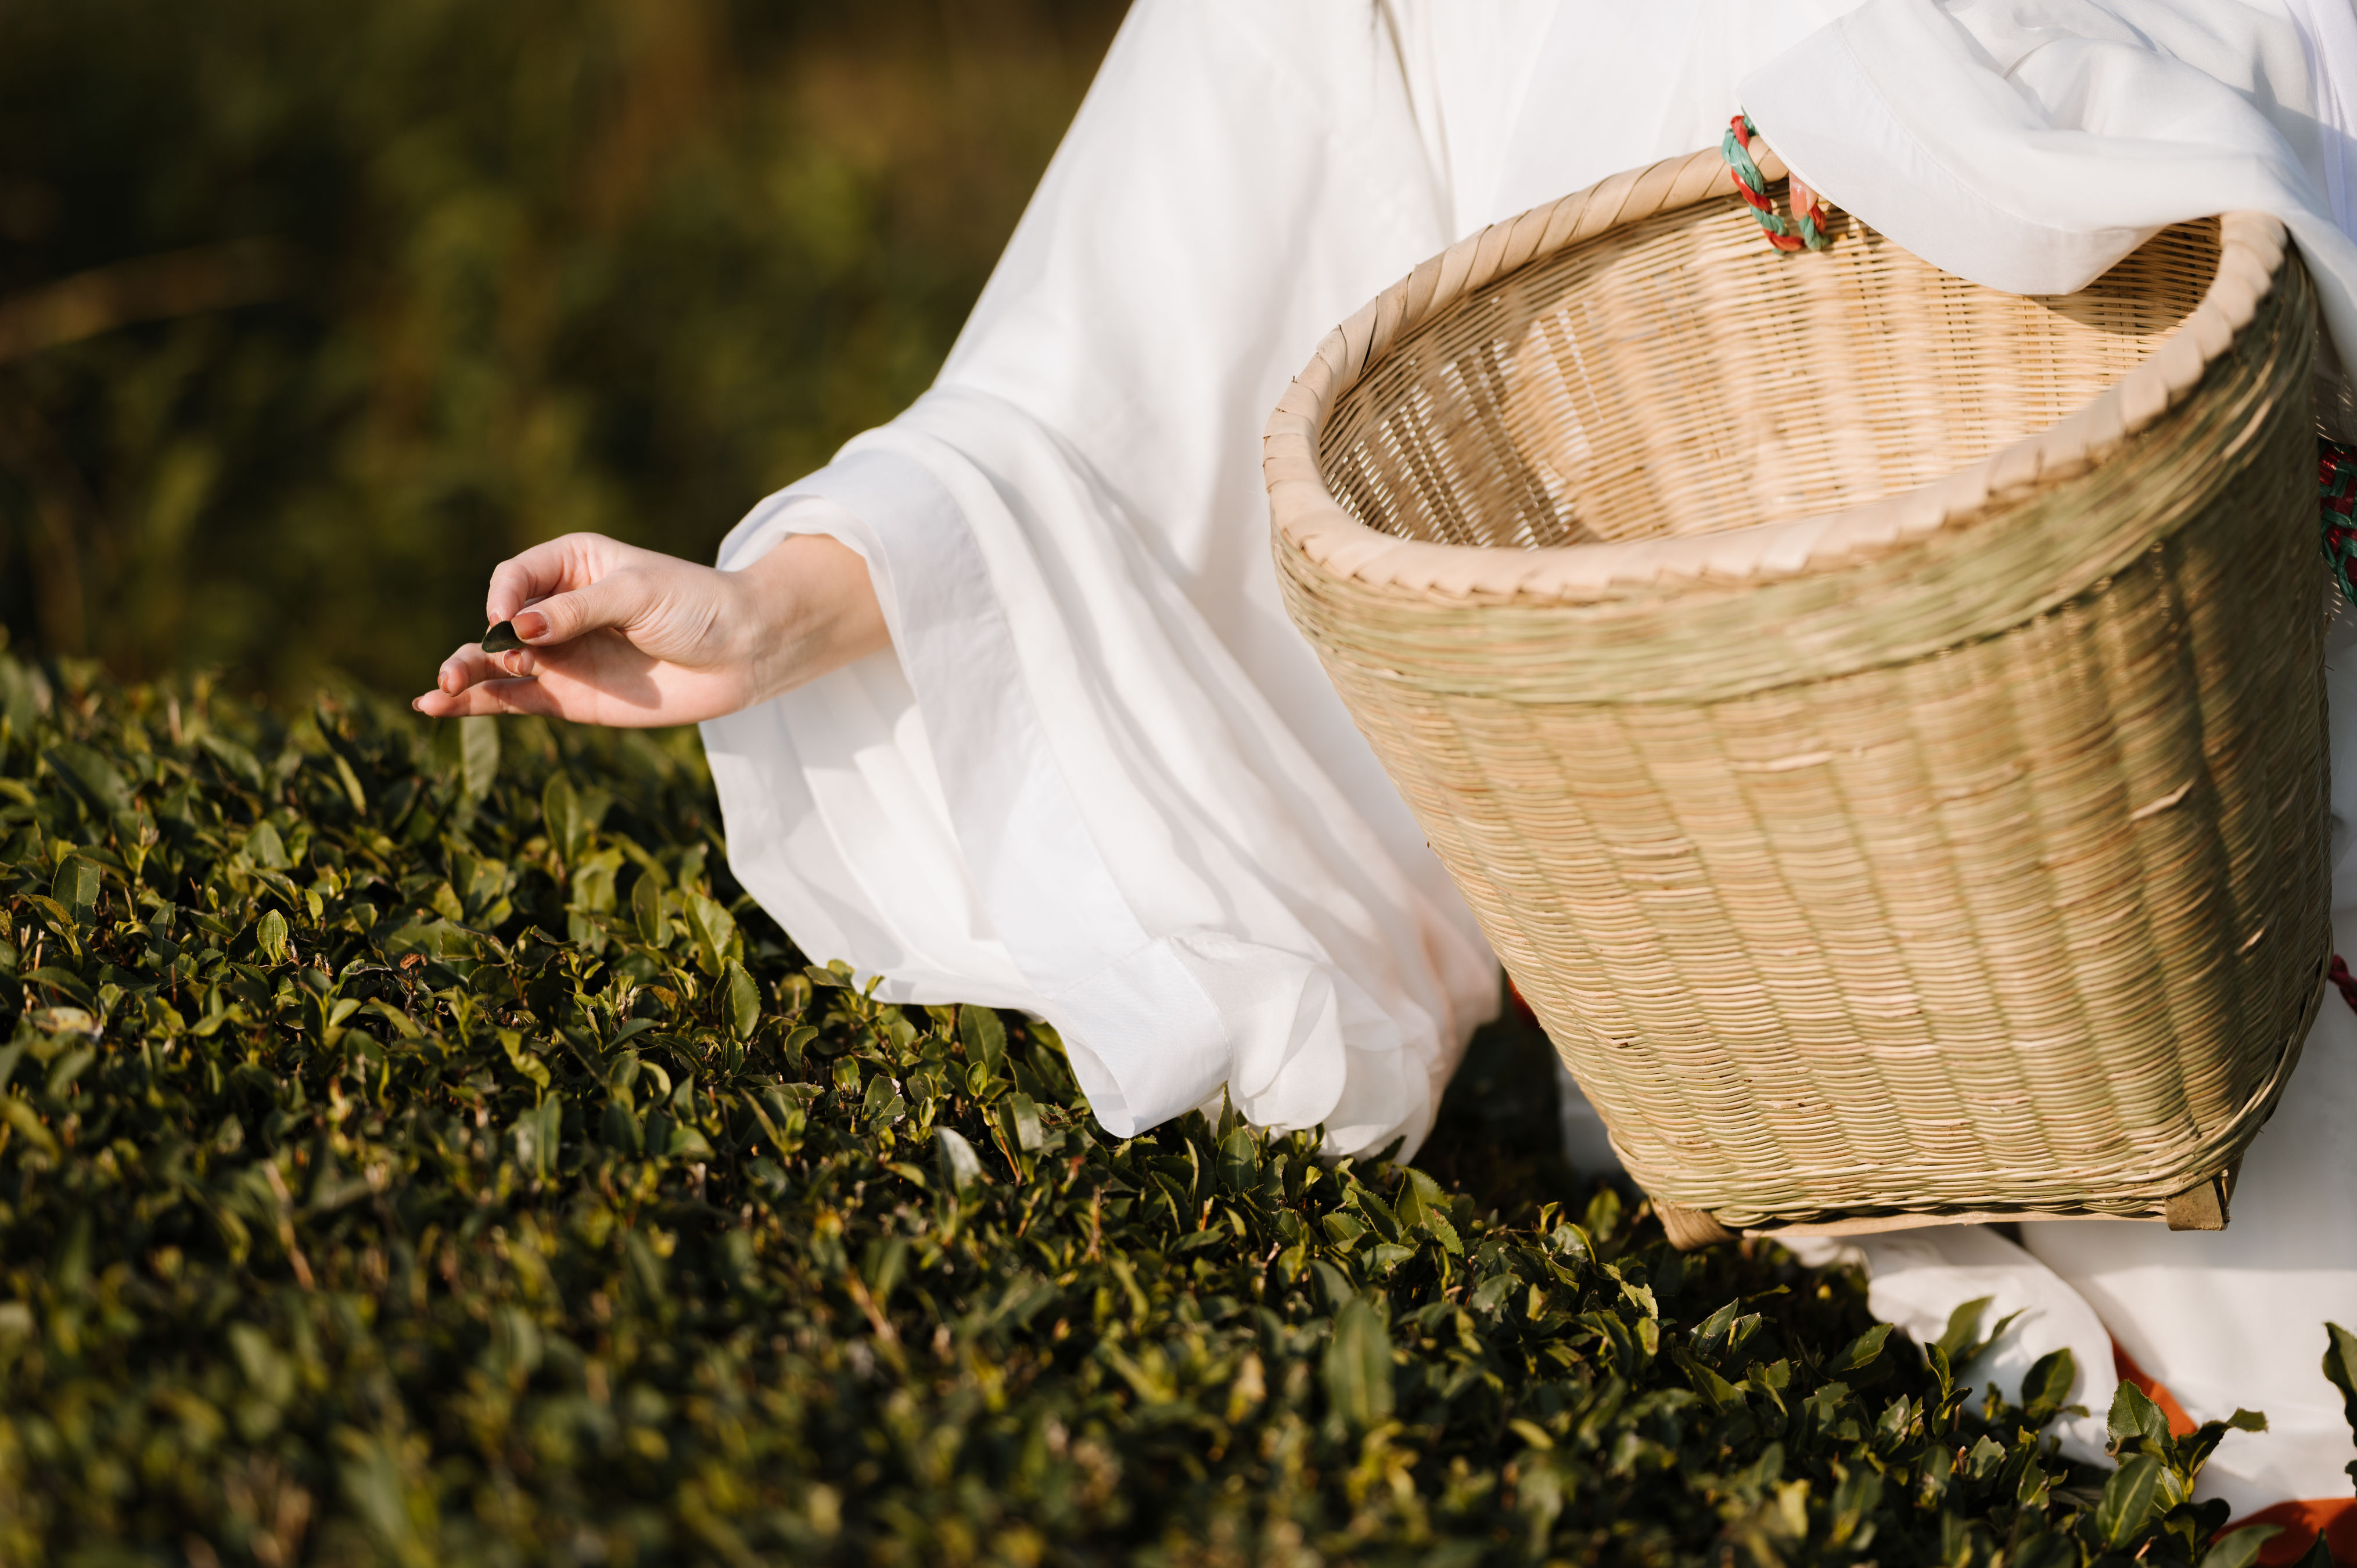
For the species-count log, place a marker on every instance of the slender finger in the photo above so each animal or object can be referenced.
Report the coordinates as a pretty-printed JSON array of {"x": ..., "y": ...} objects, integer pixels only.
[
  {"x": 573, "y": 560},
  {"x": 490, "y": 697},
  {"x": 616, "y": 599},
  {"x": 471, "y": 665}
]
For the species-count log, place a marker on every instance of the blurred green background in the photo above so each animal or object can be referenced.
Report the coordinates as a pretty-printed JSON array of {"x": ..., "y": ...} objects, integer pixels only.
[{"x": 309, "y": 313}]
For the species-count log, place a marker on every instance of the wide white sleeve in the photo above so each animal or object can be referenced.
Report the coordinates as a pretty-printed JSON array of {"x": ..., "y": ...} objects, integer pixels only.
[{"x": 1098, "y": 777}]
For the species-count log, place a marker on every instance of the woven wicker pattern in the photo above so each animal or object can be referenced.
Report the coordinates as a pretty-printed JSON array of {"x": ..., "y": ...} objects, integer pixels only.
[{"x": 1876, "y": 720}]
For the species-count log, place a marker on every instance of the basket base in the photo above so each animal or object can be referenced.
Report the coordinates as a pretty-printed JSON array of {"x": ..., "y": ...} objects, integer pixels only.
[
  {"x": 2202, "y": 1207},
  {"x": 1690, "y": 1228}
]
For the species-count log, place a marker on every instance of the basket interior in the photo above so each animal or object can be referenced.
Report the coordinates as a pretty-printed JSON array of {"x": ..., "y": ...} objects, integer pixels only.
[{"x": 1680, "y": 376}]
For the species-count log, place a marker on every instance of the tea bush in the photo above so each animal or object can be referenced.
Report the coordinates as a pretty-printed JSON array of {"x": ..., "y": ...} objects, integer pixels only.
[{"x": 414, "y": 1150}]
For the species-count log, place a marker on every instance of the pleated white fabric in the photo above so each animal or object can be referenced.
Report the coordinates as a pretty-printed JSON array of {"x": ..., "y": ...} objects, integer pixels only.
[{"x": 1100, "y": 778}]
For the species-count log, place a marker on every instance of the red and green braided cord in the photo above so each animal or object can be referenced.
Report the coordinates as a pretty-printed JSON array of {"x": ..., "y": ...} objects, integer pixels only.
[
  {"x": 1808, "y": 221},
  {"x": 2336, "y": 466},
  {"x": 2336, "y": 497}
]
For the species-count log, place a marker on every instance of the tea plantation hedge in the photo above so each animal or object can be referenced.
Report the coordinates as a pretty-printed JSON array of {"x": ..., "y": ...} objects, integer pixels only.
[{"x": 414, "y": 1150}]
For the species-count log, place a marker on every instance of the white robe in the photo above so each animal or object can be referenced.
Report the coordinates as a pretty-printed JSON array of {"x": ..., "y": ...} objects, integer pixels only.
[{"x": 1100, "y": 778}]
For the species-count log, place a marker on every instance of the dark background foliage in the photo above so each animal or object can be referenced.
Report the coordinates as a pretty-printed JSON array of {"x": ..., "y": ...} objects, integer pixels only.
[{"x": 310, "y": 313}]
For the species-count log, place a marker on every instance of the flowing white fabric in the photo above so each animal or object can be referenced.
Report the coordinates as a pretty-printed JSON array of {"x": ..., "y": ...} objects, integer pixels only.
[{"x": 1099, "y": 777}]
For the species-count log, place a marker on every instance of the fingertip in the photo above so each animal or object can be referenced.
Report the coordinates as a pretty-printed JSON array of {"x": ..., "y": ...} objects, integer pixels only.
[{"x": 529, "y": 625}]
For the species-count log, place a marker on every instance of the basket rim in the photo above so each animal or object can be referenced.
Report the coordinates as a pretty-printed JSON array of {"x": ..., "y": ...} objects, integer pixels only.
[{"x": 1307, "y": 519}]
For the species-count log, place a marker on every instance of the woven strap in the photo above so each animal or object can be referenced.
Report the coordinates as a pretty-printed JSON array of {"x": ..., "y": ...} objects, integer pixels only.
[{"x": 1808, "y": 213}]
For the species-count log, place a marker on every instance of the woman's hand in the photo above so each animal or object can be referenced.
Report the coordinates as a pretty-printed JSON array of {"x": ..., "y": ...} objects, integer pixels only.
[{"x": 617, "y": 635}]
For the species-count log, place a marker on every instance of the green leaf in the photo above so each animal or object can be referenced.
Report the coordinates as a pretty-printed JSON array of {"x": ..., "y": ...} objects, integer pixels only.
[
  {"x": 2189, "y": 1453},
  {"x": 27, "y": 1123},
  {"x": 2129, "y": 1499},
  {"x": 1860, "y": 1352},
  {"x": 560, "y": 816},
  {"x": 2134, "y": 1416},
  {"x": 63, "y": 980},
  {"x": 2046, "y": 1388},
  {"x": 2240, "y": 1548},
  {"x": 267, "y": 850},
  {"x": 531, "y": 1067},
  {"x": 881, "y": 1106},
  {"x": 882, "y": 1266},
  {"x": 1334, "y": 1288},
  {"x": 1023, "y": 1121},
  {"x": 24, "y": 696},
  {"x": 92, "y": 776},
  {"x": 1723, "y": 1395},
  {"x": 1425, "y": 1206},
  {"x": 1357, "y": 1366},
  {"x": 538, "y": 1134},
  {"x": 742, "y": 1000},
  {"x": 713, "y": 929},
  {"x": 1963, "y": 1324},
  {"x": 2045, "y": 1548},
  {"x": 77, "y": 884},
  {"x": 467, "y": 750},
  {"x": 1240, "y": 1161},
  {"x": 237, "y": 759},
  {"x": 2341, "y": 1368},
  {"x": 647, "y": 909},
  {"x": 984, "y": 1037},
  {"x": 2032, "y": 1489},
  {"x": 350, "y": 781},
  {"x": 269, "y": 936},
  {"x": 960, "y": 1166},
  {"x": 1710, "y": 1335}
]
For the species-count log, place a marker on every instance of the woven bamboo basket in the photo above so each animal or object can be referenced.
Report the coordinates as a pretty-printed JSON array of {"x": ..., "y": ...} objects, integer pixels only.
[{"x": 1877, "y": 720}]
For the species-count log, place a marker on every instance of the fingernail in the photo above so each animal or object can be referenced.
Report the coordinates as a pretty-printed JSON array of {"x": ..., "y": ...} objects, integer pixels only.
[{"x": 532, "y": 626}]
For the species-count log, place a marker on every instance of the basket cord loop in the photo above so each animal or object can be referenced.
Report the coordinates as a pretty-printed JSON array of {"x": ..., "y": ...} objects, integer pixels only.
[
  {"x": 2336, "y": 500},
  {"x": 1808, "y": 213},
  {"x": 2343, "y": 980}
]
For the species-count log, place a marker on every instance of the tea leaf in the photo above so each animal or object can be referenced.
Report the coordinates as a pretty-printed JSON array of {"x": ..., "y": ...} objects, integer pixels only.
[
  {"x": 961, "y": 1167},
  {"x": 2128, "y": 1499},
  {"x": 560, "y": 815},
  {"x": 2134, "y": 1416},
  {"x": 269, "y": 936},
  {"x": 985, "y": 1039},
  {"x": 2240, "y": 1548},
  {"x": 2046, "y": 1386},
  {"x": 1357, "y": 1366},
  {"x": 743, "y": 1000},
  {"x": 2340, "y": 1366}
]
